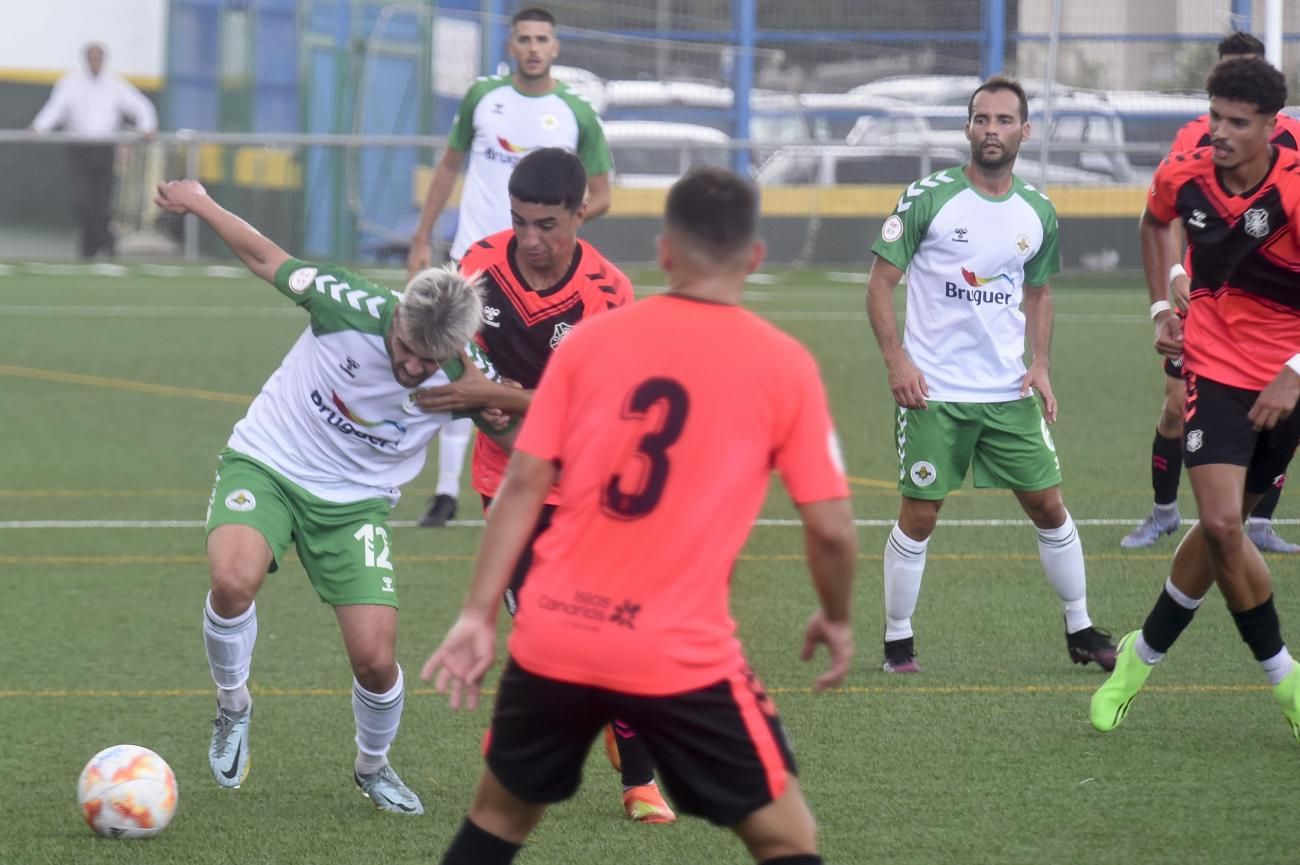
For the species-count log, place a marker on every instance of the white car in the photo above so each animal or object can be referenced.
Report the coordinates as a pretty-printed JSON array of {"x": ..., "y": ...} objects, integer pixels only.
[{"x": 654, "y": 153}]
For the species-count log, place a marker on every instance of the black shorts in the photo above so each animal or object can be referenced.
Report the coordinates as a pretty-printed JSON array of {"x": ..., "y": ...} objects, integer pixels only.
[
  {"x": 720, "y": 751},
  {"x": 1216, "y": 430},
  {"x": 526, "y": 557},
  {"x": 1174, "y": 366}
]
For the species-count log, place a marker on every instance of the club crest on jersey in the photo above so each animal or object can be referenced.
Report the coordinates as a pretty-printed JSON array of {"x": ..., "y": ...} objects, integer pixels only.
[
  {"x": 550, "y": 121},
  {"x": 561, "y": 331},
  {"x": 1195, "y": 438},
  {"x": 1022, "y": 245},
  {"x": 1256, "y": 220},
  {"x": 241, "y": 500},
  {"x": 923, "y": 473},
  {"x": 490, "y": 316},
  {"x": 892, "y": 229},
  {"x": 301, "y": 279}
]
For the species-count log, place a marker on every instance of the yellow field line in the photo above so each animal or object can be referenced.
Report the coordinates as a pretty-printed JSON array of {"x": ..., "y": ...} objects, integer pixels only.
[
  {"x": 425, "y": 559},
  {"x": 935, "y": 690},
  {"x": 122, "y": 384},
  {"x": 872, "y": 482}
]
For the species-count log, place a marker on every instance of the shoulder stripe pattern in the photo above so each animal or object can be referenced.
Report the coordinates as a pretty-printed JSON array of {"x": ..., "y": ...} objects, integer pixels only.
[
  {"x": 339, "y": 291},
  {"x": 917, "y": 188}
]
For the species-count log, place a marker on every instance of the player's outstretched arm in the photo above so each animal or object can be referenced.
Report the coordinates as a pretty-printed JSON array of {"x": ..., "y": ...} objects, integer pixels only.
[
  {"x": 831, "y": 546},
  {"x": 906, "y": 382},
  {"x": 254, "y": 249},
  {"x": 469, "y": 648}
]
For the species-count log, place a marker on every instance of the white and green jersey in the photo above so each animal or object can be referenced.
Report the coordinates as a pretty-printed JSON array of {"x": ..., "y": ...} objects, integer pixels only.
[
  {"x": 498, "y": 125},
  {"x": 968, "y": 258},
  {"x": 332, "y": 418}
]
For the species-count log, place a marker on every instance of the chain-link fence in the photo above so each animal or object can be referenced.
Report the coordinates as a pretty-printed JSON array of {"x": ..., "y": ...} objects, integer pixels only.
[{"x": 842, "y": 104}]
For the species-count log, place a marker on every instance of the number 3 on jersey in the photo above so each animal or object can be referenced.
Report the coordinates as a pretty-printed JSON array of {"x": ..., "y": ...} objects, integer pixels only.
[{"x": 652, "y": 450}]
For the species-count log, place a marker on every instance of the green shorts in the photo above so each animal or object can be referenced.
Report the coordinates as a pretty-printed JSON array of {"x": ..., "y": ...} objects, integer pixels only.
[
  {"x": 345, "y": 548},
  {"x": 1007, "y": 442}
]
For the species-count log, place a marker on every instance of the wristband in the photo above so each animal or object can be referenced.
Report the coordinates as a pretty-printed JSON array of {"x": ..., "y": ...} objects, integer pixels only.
[
  {"x": 1294, "y": 363},
  {"x": 1175, "y": 272},
  {"x": 1158, "y": 307}
]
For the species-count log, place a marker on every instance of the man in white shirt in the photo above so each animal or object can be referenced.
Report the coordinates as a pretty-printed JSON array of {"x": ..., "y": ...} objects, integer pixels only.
[
  {"x": 501, "y": 118},
  {"x": 94, "y": 102}
]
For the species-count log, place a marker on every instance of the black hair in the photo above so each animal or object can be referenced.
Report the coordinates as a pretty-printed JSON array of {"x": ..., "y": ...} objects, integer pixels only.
[
  {"x": 1252, "y": 80},
  {"x": 1239, "y": 43},
  {"x": 714, "y": 210},
  {"x": 550, "y": 175},
  {"x": 994, "y": 84},
  {"x": 532, "y": 13}
]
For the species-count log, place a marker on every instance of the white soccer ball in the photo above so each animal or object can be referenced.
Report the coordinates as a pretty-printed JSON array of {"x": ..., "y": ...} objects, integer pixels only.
[{"x": 127, "y": 791}]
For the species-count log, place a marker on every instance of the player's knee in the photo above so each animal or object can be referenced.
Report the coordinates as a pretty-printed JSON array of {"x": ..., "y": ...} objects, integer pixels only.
[
  {"x": 234, "y": 585},
  {"x": 1223, "y": 532},
  {"x": 376, "y": 670},
  {"x": 918, "y": 518}
]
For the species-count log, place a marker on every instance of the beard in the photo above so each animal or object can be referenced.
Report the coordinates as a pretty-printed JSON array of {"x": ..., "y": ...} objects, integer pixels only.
[{"x": 1001, "y": 159}]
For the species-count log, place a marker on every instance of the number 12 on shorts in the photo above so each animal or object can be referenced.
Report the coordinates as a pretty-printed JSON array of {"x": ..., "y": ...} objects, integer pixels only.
[{"x": 367, "y": 535}]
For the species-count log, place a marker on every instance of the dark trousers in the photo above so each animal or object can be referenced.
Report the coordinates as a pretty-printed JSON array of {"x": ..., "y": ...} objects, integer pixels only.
[{"x": 91, "y": 174}]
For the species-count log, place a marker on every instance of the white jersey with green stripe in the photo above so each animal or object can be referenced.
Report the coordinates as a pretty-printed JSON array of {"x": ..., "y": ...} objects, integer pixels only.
[
  {"x": 498, "y": 125},
  {"x": 332, "y": 418},
  {"x": 968, "y": 257}
]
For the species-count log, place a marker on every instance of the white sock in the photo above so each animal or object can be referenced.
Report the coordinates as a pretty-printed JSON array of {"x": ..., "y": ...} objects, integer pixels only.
[
  {"x": 229, "y": 643},
  {"x": 453, "y": 441},
  {"x": 1061, "y": 553},
  {"x": 904, "y": 565},
  {"x": 1145, "y": 653},
  {"x": 1186, "y": 601},
  {"x": 1278, "y": 667},
  {"x": 1166, "y": 511},
  {"x": 1259, "y": 521},
  {"x": 377, "y": 717}
]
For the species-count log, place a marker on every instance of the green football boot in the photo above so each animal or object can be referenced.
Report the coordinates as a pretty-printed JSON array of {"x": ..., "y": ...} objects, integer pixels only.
[
  {"x": 1287, "y": 695},
  {"x": 1111, "y": 701}
]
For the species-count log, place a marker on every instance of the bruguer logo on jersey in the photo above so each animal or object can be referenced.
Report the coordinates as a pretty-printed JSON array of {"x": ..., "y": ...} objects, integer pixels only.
[
  {"x": 510, "y": 153},
  {"x": 349, "y": 426},
  {"x": 977, "y": 294}
]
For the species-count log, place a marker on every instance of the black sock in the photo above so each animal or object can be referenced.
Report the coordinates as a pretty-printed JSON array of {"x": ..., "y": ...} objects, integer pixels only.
[
  {"x": 1268, "y": 504},
  {"x": 634, "y": 756},
  {"x": 1166, "y": 468},
  {"x": 797, "y": 859},
  {"x": 1165, "y": 622},
  {"x": 473, "y": 846},
  {"x": 1260, "y": 628}
]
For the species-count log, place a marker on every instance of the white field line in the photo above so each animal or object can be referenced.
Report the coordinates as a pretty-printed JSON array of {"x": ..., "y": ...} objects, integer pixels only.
[{"x": 406, "y": 524}]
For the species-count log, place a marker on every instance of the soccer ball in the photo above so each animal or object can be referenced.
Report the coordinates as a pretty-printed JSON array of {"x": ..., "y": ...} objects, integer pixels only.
[{"x": 127, "y": 792}]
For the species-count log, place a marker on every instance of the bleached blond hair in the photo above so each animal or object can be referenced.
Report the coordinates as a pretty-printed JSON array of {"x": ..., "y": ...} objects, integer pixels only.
[{"x": 442, "y": 310}]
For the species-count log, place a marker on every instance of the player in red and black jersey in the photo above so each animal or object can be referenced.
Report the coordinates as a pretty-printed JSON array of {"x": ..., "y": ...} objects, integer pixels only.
[
  {"x": 540, "y": 282},
  {"x": 1167, "y": 446},
  {"x": 1239, "y": 204}
]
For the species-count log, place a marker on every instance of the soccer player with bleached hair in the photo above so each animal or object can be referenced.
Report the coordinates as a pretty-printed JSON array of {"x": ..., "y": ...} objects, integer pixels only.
[
  {"x": 979, "y": 246},
  {"x": 317, "y": 462},
  {"x": 625, "y": 612}
]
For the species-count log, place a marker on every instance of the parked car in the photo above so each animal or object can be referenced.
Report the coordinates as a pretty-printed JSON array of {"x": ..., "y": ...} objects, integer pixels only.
[
  {"x": 651, "y": 153},
  {"x": 775, "y": 119},
  {"x": 1151, "y": 120},
  {"x": 832, "y": 165}
]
